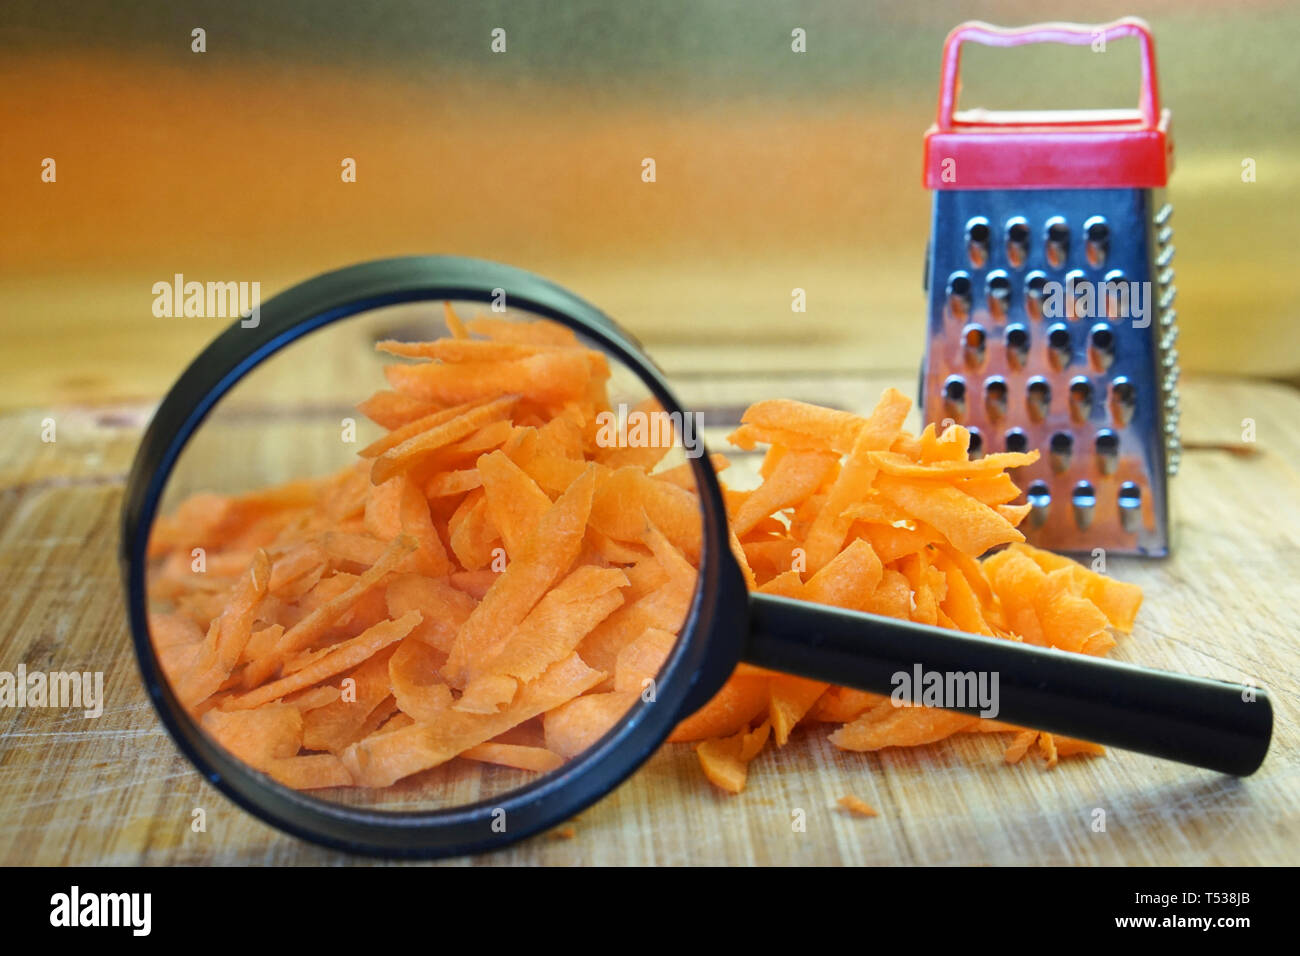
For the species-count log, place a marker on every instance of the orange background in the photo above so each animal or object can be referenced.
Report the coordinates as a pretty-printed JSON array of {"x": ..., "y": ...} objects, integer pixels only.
[{"x": 775, "y": 170}]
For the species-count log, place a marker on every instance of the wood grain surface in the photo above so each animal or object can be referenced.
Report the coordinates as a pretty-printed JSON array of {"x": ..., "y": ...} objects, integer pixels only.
[{"x": 114, "y": 790}]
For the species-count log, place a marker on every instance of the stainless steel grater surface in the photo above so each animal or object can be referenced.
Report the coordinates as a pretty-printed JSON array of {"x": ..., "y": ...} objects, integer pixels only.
[{"x": 1051, "y": 303}]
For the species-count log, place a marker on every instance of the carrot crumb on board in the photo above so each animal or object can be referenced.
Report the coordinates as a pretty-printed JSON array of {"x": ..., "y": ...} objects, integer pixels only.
[
  {"x": 565, "y": 832},
  {"x": 857, "y": 806},
  {"x": 1050, "y": 746}
]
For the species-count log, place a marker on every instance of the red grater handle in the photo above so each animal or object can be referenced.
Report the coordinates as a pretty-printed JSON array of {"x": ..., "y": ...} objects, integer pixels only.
[{"x": 1075, "y": 34}]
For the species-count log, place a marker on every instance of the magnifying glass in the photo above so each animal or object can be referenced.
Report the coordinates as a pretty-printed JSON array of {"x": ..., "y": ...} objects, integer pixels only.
[{"x": 419, "y": 580}]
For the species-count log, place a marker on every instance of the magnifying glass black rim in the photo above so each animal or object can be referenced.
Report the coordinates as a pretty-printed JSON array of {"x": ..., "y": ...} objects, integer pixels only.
[{"x": 694, "y": 671}]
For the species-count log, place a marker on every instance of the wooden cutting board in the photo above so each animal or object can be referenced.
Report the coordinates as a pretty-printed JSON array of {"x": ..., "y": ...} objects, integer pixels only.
[{"x": 114, "y": 790}]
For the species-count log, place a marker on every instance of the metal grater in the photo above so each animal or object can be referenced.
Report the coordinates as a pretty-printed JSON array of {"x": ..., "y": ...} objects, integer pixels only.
[{"x": 1043, "y": 225}]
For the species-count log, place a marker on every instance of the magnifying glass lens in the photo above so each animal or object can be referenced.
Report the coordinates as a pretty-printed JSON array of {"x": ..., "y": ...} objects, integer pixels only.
[{"x": 425, "y": 556}]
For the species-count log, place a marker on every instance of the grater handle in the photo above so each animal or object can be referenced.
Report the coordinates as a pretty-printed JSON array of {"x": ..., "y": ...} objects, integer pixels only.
[{"x": 1074, "y": 34}]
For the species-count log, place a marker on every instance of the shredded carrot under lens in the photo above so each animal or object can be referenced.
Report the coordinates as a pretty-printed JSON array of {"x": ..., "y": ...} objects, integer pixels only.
[{"x": 492, "y": 583}]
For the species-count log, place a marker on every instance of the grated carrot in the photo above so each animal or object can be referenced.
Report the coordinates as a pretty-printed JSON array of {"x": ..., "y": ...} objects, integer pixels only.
[
  {"x": 857, "y": 805},
  {"x": 489, "y": 583}
]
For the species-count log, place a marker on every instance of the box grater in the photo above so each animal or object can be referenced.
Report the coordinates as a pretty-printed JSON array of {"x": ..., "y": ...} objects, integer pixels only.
[{"x": 1051, "y": 298}]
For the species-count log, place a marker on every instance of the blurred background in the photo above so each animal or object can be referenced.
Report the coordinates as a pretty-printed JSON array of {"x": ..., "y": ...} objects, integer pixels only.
[{"x": 774, "y": 170}]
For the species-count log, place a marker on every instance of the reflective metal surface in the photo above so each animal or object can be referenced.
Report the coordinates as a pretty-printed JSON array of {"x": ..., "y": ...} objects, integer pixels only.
[{"x": 1060, "y": 335}]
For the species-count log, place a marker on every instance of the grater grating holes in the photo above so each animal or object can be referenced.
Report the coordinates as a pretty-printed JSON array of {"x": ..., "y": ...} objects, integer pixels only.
[
  {"x": 1096, "y": 233},
  {"x": 997, "y": 293},
  {"x": 959, "y": 295},
  {"x": 995, "y": 398},
  {"x": 1038, "y": 399},
  {"x": 1084, "y": 502},
  {"x": 1017, "y": 242},
  {"x": 1017, "y": 341},
  {"x": 1081, "y": 399},
  {"x": 1130, "y": 506},
  {"x": 1039, "y": 497},
  {"x": 954, "y": 397},
  {"x": 973, "y": 345},
  {"x": 1060, "y": 448},
  {"x": 1107, "y": 449},
  {"x": 1059, "y": 351},
  {"x": 1057, "y": 241},
  {"x": 1034, "y": 284},
  {"x": 1101, "y": 347},
  {"x": 1075, "y": 282},
  {"x": 1123, "y": 401},
  {"x": 977, "y": 241}
]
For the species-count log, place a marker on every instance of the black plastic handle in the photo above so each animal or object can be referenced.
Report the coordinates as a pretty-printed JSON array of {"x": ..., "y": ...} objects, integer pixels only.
[{"x": 1207, "y": 723}]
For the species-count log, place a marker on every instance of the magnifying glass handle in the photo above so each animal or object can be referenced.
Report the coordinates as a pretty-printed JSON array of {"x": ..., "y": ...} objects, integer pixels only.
[{"x": 1207, "y": 723}]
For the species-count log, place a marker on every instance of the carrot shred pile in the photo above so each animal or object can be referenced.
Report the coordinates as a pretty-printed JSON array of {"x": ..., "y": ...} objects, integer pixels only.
[
  {"x": 491, "y": 582},
  {"x": 856, "y": 512}
]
